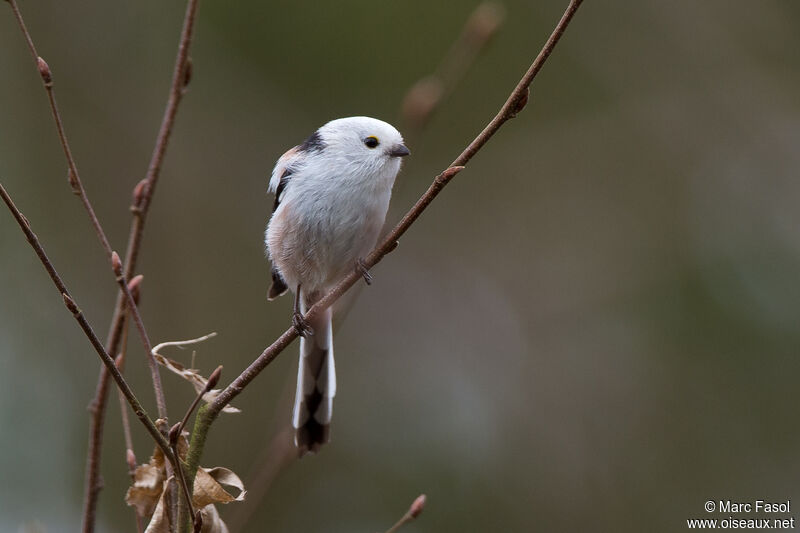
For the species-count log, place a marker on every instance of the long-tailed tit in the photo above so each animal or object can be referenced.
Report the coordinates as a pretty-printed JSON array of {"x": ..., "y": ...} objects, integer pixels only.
[{"x": 331, "y": 197}]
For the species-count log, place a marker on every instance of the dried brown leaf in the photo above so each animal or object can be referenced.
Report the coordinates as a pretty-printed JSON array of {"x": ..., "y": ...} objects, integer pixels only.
[
  {"x": 208, "y": 486},
  {"x": 160, "y": 523},
  {"x": 148, "y": 480},
  {"x": 212, "y": 523},
  {"x": 211, "y": 485},
  {"x": 146, "y": 489}
]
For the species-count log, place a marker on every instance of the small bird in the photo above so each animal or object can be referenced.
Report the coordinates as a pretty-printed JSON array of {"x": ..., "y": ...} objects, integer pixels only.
[{"x": 331, "y": 197}]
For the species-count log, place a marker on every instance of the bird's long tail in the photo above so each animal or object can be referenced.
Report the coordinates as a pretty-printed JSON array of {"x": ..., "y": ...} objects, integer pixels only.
[{"x": 316, "y": 385}]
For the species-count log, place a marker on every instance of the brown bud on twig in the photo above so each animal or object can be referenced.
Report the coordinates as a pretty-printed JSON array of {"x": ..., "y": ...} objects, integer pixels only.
[
  {"x": 44, "y": 72},
  {"x": 73, "y": 182},
  {"x": 70, "y": 303},
  {"x": 119, "y": 360},
  {"x": 116, "y": 264},
  {"x": 135, "y": 286},
  {"x": 187, "y": 74},
  {"x": 447, "y": 175},
  {"x": 130, "y": 458},
  {"x": 138, "y": 195},
  {"x": 418, "y": 506},
  {"x": 521, "y": 103},
  {"x": 174, "y": 433},
  {"x": 213, "y": 379}
]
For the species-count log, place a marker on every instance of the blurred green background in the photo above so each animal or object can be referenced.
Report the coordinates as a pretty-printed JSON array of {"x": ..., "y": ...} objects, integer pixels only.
[{"x": 595, "y": 327}]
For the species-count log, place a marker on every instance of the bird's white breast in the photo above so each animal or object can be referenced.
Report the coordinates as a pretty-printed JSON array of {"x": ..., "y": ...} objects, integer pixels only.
[{"x": 330, "y": 215}]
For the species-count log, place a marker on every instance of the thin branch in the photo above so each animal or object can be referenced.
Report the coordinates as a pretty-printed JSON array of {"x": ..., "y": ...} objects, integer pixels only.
[
  {"x": 142, "y": 197},
  {"x": 78, "y": 189},
  {"x": 417, "y": 506},
  {"x": 174, "y": 436},
  {"x": 513, "y": 105},
  {"x": 69, "y": 302},
  {"x": 116, "y": 265},
  {"x": 93, "y": 484},
  {"x": 213, "y": 379},
  {"x": 130, "y": 456},
  {"x": 135, "y": 287}
]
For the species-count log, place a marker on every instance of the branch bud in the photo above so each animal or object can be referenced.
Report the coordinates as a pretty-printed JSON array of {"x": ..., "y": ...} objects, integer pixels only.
[
  {"x": 70, "y": 303},
  {"x": 213, "y": 379},
  {"x": 116, "y": 264},
  {"x": 417, "y": 507},
  {"x": 187, "y": 73},
  {"x": 521, "y": 103},
  {"x": 174, "y": 433},
  {"x": 72, "y": 178},
  {"x": 138, "y": 195},
  {"x": 130, "y": 458},
  {"x": 119, "y": 361},
  {"x": 447, "y": 175},
  {"x": 135, "y": 286},
  {"x": 44, "y": 72}
]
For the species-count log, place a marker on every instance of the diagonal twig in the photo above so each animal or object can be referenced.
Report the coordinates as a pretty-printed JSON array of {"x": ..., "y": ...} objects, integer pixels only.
[
  {"x": 78, "y": 189},
  {"x": 143, "y": 194},
  {"x": 142, "y": 197},
  {"x": 512, "y": 106},
  {"x": 69, "y": 302}
]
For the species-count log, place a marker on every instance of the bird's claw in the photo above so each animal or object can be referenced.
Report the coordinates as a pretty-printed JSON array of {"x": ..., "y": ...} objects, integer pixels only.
[
  {"x": 362, "y": 269},
  {"x": 300, "y": 324}
]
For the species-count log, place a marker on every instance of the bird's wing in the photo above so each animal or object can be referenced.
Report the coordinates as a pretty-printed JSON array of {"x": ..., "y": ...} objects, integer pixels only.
[{"x": 282, "y": 172}]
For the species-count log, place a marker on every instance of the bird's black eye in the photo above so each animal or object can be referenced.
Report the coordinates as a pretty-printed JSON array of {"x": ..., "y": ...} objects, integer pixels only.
[{"x": 371, "y": 141}]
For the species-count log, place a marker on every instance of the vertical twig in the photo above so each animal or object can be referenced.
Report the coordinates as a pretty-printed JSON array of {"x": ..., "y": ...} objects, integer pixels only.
[
  {"x": 130, "y": 457},
  {"x": 97, "y": 407},
  {"x": 142, "y": 197},
  {"x": 213, "y": 379},
  {"x": 135, "y": 287},
  {"x": 174, "y": 436},
  {"x": 116, "y": 265}
]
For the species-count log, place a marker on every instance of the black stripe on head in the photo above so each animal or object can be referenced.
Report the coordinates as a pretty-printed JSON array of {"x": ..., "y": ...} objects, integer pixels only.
[{"x": 313, "y": 144}]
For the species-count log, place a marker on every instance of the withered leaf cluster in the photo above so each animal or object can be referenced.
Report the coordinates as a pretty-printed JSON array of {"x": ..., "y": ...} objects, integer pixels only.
[{"x": 149, "y": 493}]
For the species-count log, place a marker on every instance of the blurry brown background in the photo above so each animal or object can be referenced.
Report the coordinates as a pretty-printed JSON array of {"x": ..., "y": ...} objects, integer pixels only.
[{"x": 594, "y": 327}]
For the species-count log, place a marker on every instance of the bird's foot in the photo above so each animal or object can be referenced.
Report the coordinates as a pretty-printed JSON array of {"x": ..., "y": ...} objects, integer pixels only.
[
  {"x": 300, "y": 324},
  {"x": 362, "y": 269}
]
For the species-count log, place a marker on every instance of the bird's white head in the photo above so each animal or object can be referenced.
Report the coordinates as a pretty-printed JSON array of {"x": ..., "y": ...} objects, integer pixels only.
[{"x": 364, "y": 142}]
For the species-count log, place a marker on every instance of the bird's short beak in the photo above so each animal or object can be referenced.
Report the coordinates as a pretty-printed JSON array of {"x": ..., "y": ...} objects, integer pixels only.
[{"x": 399, "y": 150}]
